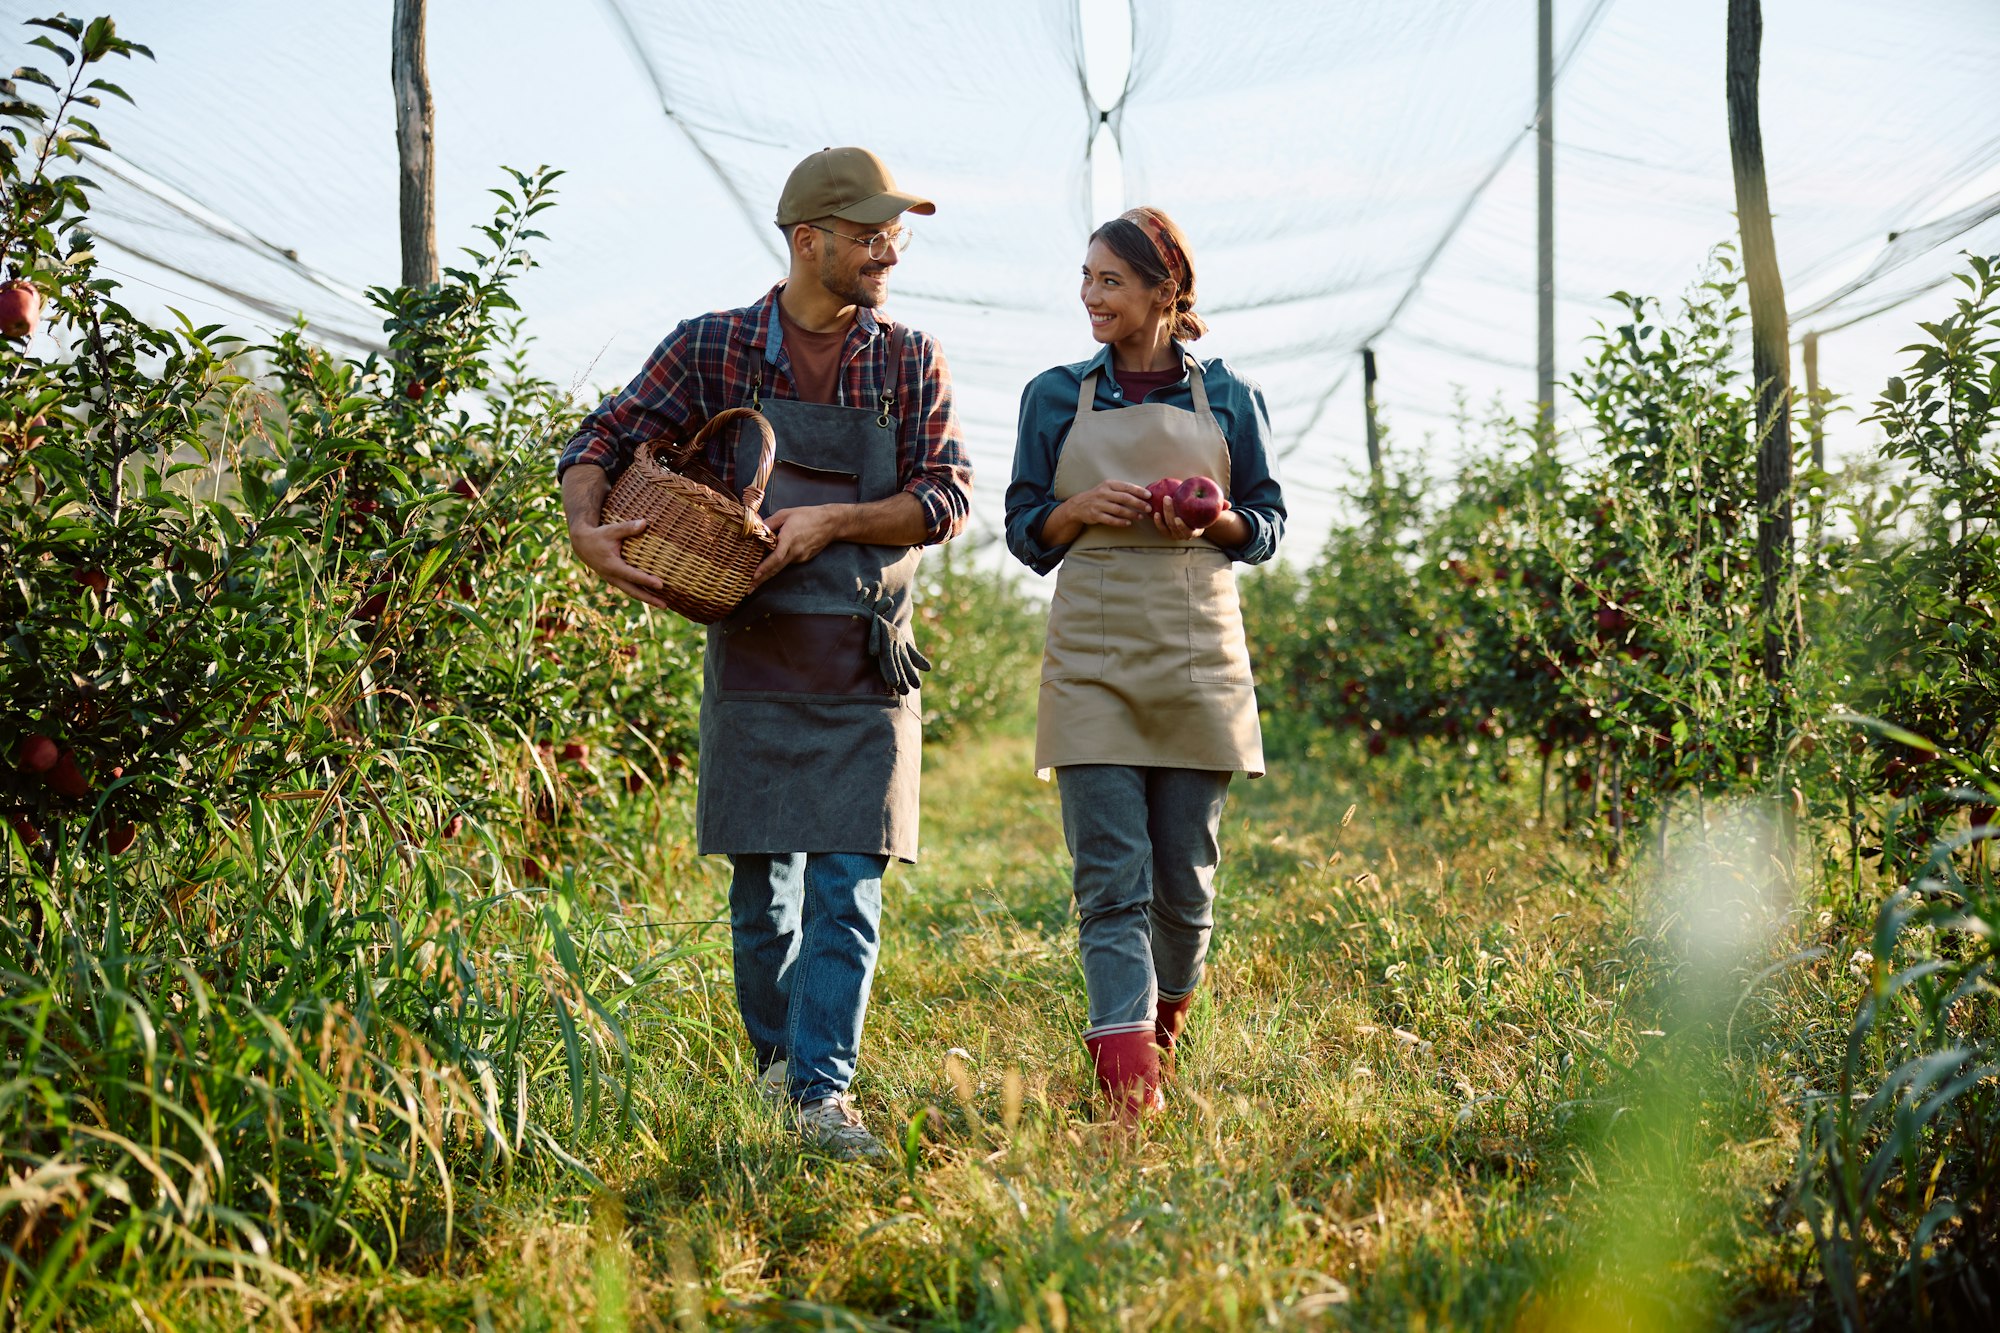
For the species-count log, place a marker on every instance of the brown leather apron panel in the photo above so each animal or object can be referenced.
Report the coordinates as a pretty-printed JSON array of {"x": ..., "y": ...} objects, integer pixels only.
[{"x": 800, "y": 654}]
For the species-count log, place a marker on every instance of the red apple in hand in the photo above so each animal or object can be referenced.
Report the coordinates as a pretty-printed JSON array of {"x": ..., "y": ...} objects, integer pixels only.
[
  {"x": 1199, "y": 502},
  {"x": 1157, "y": 493},
  {"x": 20, "y": 309}
]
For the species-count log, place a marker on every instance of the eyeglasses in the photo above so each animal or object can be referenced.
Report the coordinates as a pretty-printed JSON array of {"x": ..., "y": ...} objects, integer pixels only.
[{"x": 879, "y": 245}]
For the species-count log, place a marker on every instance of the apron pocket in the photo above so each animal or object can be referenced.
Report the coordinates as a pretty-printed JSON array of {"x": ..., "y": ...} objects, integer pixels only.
[
  {"x": 793, "y": 485},
  {"x": 800, "y": 654},
  {"x": 1074, "y": 648},
  {"x": 1218, "y": 653}
]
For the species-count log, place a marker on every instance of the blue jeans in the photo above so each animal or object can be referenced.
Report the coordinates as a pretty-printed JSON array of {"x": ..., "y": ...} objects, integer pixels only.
[
  {"x": 805, "y": 927},
  {"x": 1144, "y": 844}
]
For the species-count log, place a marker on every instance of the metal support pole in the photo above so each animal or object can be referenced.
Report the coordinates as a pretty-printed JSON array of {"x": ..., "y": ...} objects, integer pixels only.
[
  {"x": 1545, "y": 216},
  {"x": 1816, "y": 433},
  {"x": 1815, "y": 418}
]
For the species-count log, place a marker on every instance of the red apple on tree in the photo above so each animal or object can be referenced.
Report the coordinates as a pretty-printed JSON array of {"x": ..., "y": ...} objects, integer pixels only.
[
  {"x": 1157, "y": 493},
  {"x": 20, "y": 309},
  {"x": 65, "y": 778},
  {"x": 1199, "y": 502},
  {"x": 37, "y": 755}
]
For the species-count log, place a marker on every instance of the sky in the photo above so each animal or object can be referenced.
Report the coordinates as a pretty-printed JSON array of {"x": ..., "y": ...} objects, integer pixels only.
[{"x": 1335, "y": 162}]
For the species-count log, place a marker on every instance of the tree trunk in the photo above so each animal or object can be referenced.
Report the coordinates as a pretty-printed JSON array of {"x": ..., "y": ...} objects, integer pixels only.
[
  {"x": 418, "y": 192},
  {"x": 1769, "y": 341}
]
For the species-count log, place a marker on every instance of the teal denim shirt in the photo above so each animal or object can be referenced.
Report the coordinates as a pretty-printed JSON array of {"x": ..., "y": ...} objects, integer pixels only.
[{"x": 1048, "y": 407}]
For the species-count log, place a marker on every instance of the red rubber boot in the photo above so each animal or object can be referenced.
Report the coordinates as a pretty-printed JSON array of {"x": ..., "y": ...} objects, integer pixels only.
[
  {"x": 1168, "y": 1020},
  {"x": 1128, "y": 1071}
]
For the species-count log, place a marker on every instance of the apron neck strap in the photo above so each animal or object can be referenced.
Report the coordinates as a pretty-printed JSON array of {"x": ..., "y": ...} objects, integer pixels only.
[
  {"x": 1086, "y": 394},
  {"x": 1196, "y": 387}
]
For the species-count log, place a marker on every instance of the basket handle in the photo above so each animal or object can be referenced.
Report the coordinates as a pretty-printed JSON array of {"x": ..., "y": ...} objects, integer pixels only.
[{"x": 767, "y": 457}]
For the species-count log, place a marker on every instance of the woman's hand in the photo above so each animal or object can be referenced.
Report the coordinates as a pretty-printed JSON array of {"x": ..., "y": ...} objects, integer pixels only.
[
  {"x": 1229, "y": 529},
  {"x": 1111, "y": 504}
]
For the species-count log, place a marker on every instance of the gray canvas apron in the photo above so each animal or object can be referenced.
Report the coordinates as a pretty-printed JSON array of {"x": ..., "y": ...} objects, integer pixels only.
[
  {"x": 804, "y": 745},
  {"x": 1145, "y": 662}
]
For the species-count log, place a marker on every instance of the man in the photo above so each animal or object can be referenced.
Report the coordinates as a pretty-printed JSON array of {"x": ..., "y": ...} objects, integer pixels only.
[{"x": 810, "y": 715}]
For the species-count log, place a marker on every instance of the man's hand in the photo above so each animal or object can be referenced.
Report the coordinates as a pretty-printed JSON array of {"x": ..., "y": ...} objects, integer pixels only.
[
  {"x": 803, "y": 532},
  {"x": 601, "y": 545}
]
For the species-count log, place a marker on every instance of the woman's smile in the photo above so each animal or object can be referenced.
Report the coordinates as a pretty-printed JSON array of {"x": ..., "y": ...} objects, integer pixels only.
[{"x": 1122, "y": 308}]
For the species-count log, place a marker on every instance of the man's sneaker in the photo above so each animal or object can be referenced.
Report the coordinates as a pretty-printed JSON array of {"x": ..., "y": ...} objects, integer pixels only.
[
  {"x": 832, "y": 1125},
  {"x": 771, "y": 1084}
]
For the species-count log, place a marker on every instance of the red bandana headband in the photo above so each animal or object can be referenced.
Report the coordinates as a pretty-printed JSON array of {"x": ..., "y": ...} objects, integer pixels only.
[{"x": 1170, "y": 254}]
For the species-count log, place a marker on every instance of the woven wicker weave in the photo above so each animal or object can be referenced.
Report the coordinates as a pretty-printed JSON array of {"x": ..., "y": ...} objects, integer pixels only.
[{"x": 702, "y": 544}]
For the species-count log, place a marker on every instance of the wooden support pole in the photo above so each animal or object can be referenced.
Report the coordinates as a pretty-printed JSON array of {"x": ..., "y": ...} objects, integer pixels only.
[
  {"x": 418, "y": 191},
  {"x": 1770, "y": 344},
  {"x": 1368, "y": 406},
  {"x": 1545, "y": 217}
]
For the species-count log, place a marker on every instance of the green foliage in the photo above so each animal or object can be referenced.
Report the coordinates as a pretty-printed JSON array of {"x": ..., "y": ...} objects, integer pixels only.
[
  {"x": 982, "y": 636},
  {"x": 1930, "y": 657},
  {"x": 1899, "y": 1161},
  {"x": 1595, "y": 612},
  {"x": 291, "y": 939}
]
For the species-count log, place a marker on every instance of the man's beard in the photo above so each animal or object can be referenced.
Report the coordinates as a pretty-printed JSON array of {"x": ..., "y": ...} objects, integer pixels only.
[{"x": 847, "y": 289}]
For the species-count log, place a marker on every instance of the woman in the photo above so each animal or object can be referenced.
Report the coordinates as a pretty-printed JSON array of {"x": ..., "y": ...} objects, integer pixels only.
[{"x": 1146, "y": 707}]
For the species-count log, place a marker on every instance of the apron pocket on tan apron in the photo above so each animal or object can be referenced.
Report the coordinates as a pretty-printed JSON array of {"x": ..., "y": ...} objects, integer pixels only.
[
  {"x": 1074, "y": 649},
  {"x": 818, "y": 655},
  {"x": 1218, "y": 652}
]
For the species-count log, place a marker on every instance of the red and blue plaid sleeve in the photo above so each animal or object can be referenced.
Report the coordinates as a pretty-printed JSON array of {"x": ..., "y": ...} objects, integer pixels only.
[
  {"x": 935, "y": 466},
  {"x": 661, "y": 401}
]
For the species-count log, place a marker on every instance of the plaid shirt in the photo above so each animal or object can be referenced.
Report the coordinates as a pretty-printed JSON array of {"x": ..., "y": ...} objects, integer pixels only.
[{"x": 709, "y": 363}]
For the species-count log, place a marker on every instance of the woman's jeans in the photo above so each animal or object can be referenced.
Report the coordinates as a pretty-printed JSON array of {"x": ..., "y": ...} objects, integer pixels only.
[
  {"x": 805, "y": 930},
  {"x": 1144, "y": 845}
]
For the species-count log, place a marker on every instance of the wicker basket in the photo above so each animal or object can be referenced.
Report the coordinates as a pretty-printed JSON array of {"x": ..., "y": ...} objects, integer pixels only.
[{"x": 702, "y": 544}]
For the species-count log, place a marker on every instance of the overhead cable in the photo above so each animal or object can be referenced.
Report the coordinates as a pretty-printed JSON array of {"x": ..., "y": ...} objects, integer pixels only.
[
  {"x": 759, "y": 227},
  {"x": 1570, "y": 49}
]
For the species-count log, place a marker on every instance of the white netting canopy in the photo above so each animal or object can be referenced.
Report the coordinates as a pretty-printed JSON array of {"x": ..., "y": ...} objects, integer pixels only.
[{"x": 1352, "y": 173}]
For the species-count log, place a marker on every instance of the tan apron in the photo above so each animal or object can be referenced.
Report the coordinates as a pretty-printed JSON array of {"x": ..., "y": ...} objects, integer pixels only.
[{"x": 1145, "y": 661}]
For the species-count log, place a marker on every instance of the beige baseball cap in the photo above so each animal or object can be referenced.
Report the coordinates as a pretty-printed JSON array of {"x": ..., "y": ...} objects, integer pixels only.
[{"x": 850, "y": 183}]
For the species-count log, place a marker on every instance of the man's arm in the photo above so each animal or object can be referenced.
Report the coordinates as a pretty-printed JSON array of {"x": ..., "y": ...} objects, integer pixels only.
[
  {"x": 601, "y": 545},
  {"x": 807, "y": 530}
]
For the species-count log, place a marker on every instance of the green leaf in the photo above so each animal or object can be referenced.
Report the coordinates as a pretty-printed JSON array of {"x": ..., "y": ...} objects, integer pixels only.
[
  {"x": 100, "y": 37},
  {"x": 48, "y": 45}
]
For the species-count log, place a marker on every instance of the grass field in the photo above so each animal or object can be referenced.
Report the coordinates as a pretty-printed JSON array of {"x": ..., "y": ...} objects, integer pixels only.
[{"x": 1445, "y": 1073}]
